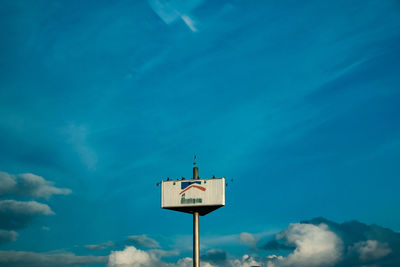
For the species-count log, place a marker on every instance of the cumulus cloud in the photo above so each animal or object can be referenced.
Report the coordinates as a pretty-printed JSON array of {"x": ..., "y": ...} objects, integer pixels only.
[
  {"x": 143, "y": 241},
  {"x": 7, "y": 236},
  {"x": 28, "y": 184},
  {"x": 313, "y": 245},
  {"x": 131, "y": 257},
  {"x": 246, "y": 261},
  {"x": 365, "y": 244},
  {"x": 16, "y": 214},
  {"x": 316, "y": 245},
  {"x": 33, "y": 259},
  {"x": 101, "y": 246},
  {"x": 371, "y": 250}
]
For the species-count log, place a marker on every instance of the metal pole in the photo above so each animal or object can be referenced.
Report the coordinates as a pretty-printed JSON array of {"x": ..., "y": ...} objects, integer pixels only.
[
  {"x": 196, "y": 240},
  {"x": 196, "y": 234}
]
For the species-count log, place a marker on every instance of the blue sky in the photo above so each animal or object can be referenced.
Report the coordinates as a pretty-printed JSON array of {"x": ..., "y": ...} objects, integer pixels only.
[{"x": 298, "y": 102}]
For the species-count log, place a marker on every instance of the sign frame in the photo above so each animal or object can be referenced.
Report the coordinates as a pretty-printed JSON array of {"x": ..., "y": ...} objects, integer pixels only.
[{"x": 194, "y": 195}]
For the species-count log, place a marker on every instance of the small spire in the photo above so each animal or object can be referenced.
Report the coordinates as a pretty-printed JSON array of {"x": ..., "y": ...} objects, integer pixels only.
[{"x": 195, "y": 169}]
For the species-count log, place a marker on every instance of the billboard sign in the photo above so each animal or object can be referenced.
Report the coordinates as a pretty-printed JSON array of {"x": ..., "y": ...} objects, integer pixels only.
[{"x": 203, "y": 195}]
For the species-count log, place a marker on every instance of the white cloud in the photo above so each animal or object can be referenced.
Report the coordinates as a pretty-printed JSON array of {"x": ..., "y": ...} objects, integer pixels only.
[
  {"x": 131, "y": 257},
  {"x": 371, "y": 249},
  {"x": 273, "y": 256},
  {"x": 245, "y": 261},
  {"x": 143, "y": 241},
  {"x": 28, "y": 184},
  {"x": 185, "y": 262},
  {"x": 315, "y": 245},
  {"x": 7, "y": 236},
  {"x": 33, "y": 259},
  {"x": 247, "y": 239}
]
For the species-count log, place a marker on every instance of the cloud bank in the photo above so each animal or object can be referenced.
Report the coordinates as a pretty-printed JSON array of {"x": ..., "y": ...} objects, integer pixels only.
[
  {"x": 17, "y": 214},
  {"x": 28, "y": 184},
  {"x": 32, "y": 259},
  {"x": 317, "y": 243},
  {"x": 320, "y": 242}
]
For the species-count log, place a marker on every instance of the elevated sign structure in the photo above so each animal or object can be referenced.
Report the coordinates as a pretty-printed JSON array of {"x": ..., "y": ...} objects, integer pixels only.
[{"x": 197, "y": 195}]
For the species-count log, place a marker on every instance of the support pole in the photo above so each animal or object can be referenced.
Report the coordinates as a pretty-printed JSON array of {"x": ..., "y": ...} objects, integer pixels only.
[
  {"x": 196, "y": 233},
  {"x": 196, "y": 240}
]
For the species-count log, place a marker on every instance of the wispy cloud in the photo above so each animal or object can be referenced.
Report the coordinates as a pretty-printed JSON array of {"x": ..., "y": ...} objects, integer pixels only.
[
  {"x": 101, "y": 246},
  {"x": 77, "y": 137},
  {"x": 170, "y": 11},
  {"x": 189, "y": 22},
  {"x": 184, "y": 242},
  {"x": 248, "y": 239},
  {"x": 143, "y": 241},
  {"x": 7, "y": 236}
]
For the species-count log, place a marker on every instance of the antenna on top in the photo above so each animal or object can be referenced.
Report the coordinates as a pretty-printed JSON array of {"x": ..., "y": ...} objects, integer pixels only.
[{"x": 195, "y": 169}]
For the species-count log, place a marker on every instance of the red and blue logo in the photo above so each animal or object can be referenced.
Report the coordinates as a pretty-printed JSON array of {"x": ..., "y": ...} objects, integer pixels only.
[{"x": 185, "y": 186}]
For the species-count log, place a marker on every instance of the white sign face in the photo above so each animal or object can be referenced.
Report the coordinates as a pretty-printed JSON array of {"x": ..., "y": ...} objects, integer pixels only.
[{"x": 193, "y": 193}]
